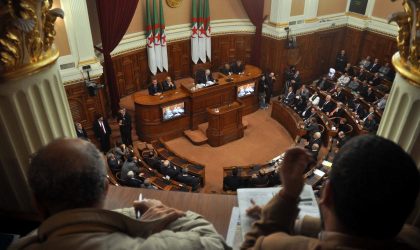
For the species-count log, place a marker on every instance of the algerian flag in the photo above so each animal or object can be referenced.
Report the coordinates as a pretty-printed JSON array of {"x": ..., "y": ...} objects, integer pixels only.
[
  {"x": 150, "y": 42},
  {"x": 156, "y": 32},
  {"x": 201, "y": 34},
  {"x": 208, "y": 28},
  {"x": 194, "y": 33},
  {"x": 163, "y": 37}
]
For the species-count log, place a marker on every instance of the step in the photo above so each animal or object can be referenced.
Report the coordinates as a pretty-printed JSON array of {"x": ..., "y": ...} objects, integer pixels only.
[{"x": 197, "y": 137}]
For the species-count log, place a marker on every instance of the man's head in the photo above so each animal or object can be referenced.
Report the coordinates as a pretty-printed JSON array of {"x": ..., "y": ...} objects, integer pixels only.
[
  {"x": 184, "y": 171},
  {"x": 317, "y": 135},
  {"x": 130, "y": 174},
  {"x": 166, "y": 163},
  {"x": 238, "y": 62},
  {"x": 68, "y": 174},
  {"x": 341, "y": 134},
  {"x": 376, "y": 60},
  {"x": 154, "y": 81},
  {"x": 78, "y": 125},
  {"x": 373, "y": 183},
  {"x": 168, "y": 79},
  {"x": 227, "y": 66},
  {"x": 207, "y": 72},
  {"x": 328, "y": 98},
  {"x": 315, "y": 147}
]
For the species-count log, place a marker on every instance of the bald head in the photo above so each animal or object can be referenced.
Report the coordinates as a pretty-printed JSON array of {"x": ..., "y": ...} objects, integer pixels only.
[{"x": 68, "y": 174}]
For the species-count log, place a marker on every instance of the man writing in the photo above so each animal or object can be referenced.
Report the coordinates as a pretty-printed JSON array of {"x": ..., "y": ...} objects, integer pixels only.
[
  {"x": 68, "y": 180},
  {"x": 371, "y": 191}
]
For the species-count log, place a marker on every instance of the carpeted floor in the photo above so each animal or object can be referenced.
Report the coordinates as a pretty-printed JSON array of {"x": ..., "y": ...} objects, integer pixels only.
[{"x": 264, "y": 139}]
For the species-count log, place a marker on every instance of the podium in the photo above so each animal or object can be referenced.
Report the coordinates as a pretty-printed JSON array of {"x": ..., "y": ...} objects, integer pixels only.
[{"x": 225, "y": 124}]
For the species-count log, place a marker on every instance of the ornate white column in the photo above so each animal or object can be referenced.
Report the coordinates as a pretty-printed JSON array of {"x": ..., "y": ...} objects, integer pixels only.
[
  {"x": 311, "y": 10},
  {"x": 401, "y": 119},
  {"x": 33, "y": 104},
  {"x": 280, "y": 12}
]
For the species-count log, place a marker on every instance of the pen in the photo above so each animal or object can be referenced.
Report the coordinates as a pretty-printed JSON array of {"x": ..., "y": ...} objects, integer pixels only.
[{"x": 138, "y": 211}]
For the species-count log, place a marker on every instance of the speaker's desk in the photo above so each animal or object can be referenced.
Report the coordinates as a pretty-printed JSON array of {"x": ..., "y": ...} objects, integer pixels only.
[{"x": 152, "y": 123}]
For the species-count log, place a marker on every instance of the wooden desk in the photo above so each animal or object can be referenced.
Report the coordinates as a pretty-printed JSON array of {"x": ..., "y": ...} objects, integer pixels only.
[
  {"x": 288, "y": 118},
  {"x": 150, "y": 124},
  {"x": 216, "y": 208},
  {"x": 225, "y": 124}
]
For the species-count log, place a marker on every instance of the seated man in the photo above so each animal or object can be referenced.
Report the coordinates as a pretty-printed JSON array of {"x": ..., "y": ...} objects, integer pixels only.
[
  {"x": 341, "y": 139},
  {"x": 338, "y": 111},
  {"x": 290, "y": 97},
  {"x": 331, "y": 73},
  {"x": 376, "y": 80},
  {"x": 343, "y": 80},
  {"x": 259, "y": 180},
  {"x": 232, "y": 182},
  {"x": 188, "y": 179},
  {"x": 314, "y": 151},
  {"x": 316, "y": 139},
  {"x": 206, "y": 78},
  {"x": 238, "y": 67},
  {"x": 354, "y": 84},
  {"x": 308, "y": 112},
  {"x": 369, "y": 95},
  {"x": 155, "y": 88},
  {"x": 349, "y": 69},
  {"x": 169, "y": 170},
  {"x": 71, "y": 195},
  {"x": 226, "y": 70},
  {"x": 113, "y": 163},
  {"x": 339, "y": 95},
  {"x": 370, "y": 123},
  {"x": 168, "y": 84},
  {"x": 315, "y": 99},
  {"x": 129, "y": 165},
  {"x": 324, "y": 84},
  {"x": 384, "y": 71},
  {"x": 328, "y": 105},
  {"x": 375, "y": 66},
  {"x": 381, "y": 103},
  {"x": 311, "y": 127},
  {"x": 354, "y": 202},
  {"x": 365, "y": 63},
  {"x": 132, "y": 181},
  {"x": 342, "y": 125}
]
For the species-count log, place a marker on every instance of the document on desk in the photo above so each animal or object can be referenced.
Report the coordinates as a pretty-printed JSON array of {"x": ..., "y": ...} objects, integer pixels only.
[
  {"x": 261, "y": 196},
  {"x": 234, "y": 235}
]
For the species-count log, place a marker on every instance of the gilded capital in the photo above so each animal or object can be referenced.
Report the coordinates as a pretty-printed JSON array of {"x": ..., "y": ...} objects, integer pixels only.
[
  {"x": 26, "y": 36},
  {"x": 407, "y": 63}
]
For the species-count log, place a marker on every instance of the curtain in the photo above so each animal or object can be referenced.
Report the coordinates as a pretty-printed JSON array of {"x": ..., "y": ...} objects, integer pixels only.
[
  {"x": 114, "y": 18},
  {"x": 255, "y": 11}
]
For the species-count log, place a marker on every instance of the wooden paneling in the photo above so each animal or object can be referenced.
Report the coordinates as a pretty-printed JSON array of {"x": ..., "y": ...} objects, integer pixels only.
[
  {"x": 132, "y": 72},
  {"x": 318, "y": 51},
  {"x": 84, "y": 107}
]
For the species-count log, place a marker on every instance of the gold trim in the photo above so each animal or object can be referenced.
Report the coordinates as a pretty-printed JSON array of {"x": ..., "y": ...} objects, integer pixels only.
[
  {"x": 356, "y": 15},
  {"x": 312, "y": 20},
  {"x": 407, "y": 71},
  {"x": 32, "y": 68},
  {"x": 278, "y": 25},
  {"x": 89, "y": 61}
]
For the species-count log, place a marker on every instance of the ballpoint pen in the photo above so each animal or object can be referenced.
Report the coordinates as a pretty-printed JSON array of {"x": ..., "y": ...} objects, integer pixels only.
[{"x": 138, "y": 211}]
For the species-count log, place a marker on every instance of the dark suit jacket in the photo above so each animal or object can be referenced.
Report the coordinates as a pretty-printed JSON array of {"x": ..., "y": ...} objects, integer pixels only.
[
  {"x": 153, "y": 90},
  {"x": 237, "y": 69},
  {"x": 126, "y": 122},
  {"x": 324, "y": 85},
  {"x": 374, "y": 68},
  {"x": 81, "y": 134},
  {"x": 188, "y": 180},
  {"x": 231, "y": 182},
  {"x": 340, "y": 62},
  {"x": 376, "y": 81},
  {"x": 370, "y": 125},
  {"x": 306, "y": 113},
  {"x": 99, "y": 133},
  {"x": 339, "y": 113},
  {"x": 349, "y": 71},
  {"x": 340, "y": 96},
  {"x": 166, "y": 87},
  {"x": 225, "y": 71},
  {"x": 328, "y": 107},
  {"x": 290, "y": 98},
  {"x": 171, "y": 171},
  {"x": 133, "y": 182},
  {"x": 202, "y": 78}
]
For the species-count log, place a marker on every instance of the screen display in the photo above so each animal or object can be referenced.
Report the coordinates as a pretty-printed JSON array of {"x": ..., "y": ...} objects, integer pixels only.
[
  {"x": 173, "y": 111},
  {"x": 246, "y": 89}
]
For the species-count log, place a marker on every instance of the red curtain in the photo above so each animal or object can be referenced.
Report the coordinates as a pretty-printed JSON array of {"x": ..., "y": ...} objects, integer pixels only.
[
  {"x": 114, "y": 19},
  {"x": 255, "y": 11}
]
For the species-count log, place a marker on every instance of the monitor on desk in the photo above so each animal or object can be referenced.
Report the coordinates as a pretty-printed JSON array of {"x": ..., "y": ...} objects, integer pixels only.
[
  {"x": 246, "y": 89},
  {"x": 172, "y": 111}
]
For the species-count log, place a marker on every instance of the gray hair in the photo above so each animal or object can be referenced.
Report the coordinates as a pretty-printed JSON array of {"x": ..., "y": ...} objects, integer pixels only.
[{"x": 68, "y": 174}]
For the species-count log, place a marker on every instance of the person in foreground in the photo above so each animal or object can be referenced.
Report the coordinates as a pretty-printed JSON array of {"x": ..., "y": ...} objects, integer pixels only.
[
  {"x": 68, "y": 180},
  {"x": 371, "y": 191}
]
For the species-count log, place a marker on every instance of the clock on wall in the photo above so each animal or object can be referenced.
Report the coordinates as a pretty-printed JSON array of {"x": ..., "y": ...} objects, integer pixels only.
[{"x": 174, "y": 3}]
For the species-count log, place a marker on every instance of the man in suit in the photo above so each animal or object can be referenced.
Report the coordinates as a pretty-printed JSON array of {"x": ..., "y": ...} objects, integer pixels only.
[
  {"x": 361, "y": 75},
  {"x": 259, "y": 180},
  {"x": 369, "y": 96},
  {"x": 124, "y": 121},
  {"x": 296, "y": 81},
  {"x": 226, "y": 69},
  {"x": 339, "y": 95},
  {"x": 113, "y": 163},
  {"x": 385, "y": 71},
  {"x": 328, "y": 105},
  {"x": 80, "y": 131},
  {"x": 238, "y": 67},
  {"x": 308, "y": 112},
  {"x": 323, "y": 84},
  {"x": 290, "y": 97},
  {"x": 315, "y": 99},
  {"x": 129, "y": 165},
  {"x": 376, "y": 80},
  {"x": 353, "y": 208},
  {"x": 343, "y": 80},
  {"x": 131, "y": 181},
  {"x": 311, "y": 127},
  {"x": 314, "y": 151},
  {"x": 168, "y": 84},
  {"x": 374, "y": 67},
  {"x": 102, "y": 132},
  {"x": 155, "y": 88},
  {"x": 269, "y": 90},
  {"x": 381, "y": 103},
  {"x": 168, "y": 170},
  {"x": 206, "y": 77},
  {"x": 354, "y": 84},
  {"x": 316, "y": 139},
  {"x": 338, "y": 111},
  {"x": 365, "y": 63},
  {"x": 341, "y": 61},
  {"x": 188, "y": 179},
  {"x": 232, "y": 182},
  {"x": 341, "y": 139},
  {"x": 349, "y": 69}
]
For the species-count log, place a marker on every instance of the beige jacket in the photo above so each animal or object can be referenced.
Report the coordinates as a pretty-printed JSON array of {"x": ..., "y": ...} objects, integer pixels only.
[
  {"x": 103, "y": 229},
  {"x": 277, "y": 223}
]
